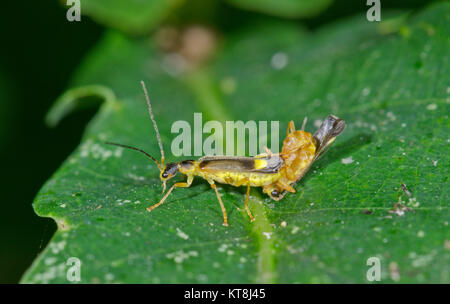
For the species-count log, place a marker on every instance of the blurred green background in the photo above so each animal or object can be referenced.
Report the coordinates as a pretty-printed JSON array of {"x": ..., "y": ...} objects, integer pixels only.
[{"x": 39, "y": 53}]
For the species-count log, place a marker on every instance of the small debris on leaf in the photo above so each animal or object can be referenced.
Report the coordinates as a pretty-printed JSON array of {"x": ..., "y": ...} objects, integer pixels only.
[
  {"x": 367, "y": 211},
  {"x": 405, "y": 190}
]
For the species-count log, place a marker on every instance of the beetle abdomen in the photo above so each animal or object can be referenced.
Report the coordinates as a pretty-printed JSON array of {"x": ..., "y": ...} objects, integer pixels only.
[{"x": 240, "y": 178}]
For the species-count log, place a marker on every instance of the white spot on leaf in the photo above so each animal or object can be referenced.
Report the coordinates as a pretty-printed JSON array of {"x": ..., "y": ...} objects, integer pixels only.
[
  {"x": 347, "y": 160},
  {"x": 181, "y": 234},
  {"x": 279, "y": 60}
]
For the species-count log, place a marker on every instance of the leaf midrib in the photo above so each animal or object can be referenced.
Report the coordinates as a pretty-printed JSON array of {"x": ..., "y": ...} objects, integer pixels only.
[{"x": 209, "y": 101}]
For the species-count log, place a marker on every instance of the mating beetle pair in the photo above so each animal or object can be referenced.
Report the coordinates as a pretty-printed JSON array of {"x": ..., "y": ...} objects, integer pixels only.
[{"x": 276, "y": 173}]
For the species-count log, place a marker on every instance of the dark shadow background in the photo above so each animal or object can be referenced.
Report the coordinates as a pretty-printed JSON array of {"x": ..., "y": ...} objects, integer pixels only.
[{"x": 39, "y": 52}]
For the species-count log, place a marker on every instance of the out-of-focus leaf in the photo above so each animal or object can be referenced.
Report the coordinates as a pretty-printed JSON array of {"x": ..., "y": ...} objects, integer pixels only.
[
  {"x": 284, "y": 8},
  {"x": 131, "y": 16}
]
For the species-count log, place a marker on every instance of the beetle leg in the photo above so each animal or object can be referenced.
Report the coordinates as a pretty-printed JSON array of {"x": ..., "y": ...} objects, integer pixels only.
[
  {"x": 225, "y": 219},
  {"x": 285, "y": 186},
  {"x": 269, "y": 153},
  {"x": 291, "y": 127},
  {"x": 246, "y": 203},
  {"x": 176, "y": 185},
  {"x": 240, "y": 183}
]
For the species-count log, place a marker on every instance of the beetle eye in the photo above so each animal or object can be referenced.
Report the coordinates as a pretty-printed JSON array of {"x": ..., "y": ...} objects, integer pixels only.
[
  {"x": 164, "y": 174},
  {"x": 275, "y": 193}
]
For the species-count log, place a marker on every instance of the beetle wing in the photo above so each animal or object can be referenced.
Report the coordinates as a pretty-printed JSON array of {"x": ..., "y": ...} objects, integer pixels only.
[
  {"x": 331, "y": 127},
  {"x": 263, "y": 164}
]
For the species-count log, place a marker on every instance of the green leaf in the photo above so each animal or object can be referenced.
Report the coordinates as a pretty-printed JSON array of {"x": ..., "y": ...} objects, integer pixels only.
[
  {"x": 284, "y": 8},
  {"x": 132, "y": 16},
  {"x": 75, "y": 99},
  {"x": 392, "y": 90}
]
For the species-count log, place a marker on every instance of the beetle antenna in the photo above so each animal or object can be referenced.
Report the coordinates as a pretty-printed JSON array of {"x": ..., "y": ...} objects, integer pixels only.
[
  {"x": 304, "y": 123},
  {"x": 137, "y": 149},
  {"x": 154, "y": 123}
]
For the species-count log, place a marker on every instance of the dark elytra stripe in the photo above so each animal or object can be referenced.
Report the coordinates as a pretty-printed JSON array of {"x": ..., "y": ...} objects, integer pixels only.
[{"x": 242, "y": 164}]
